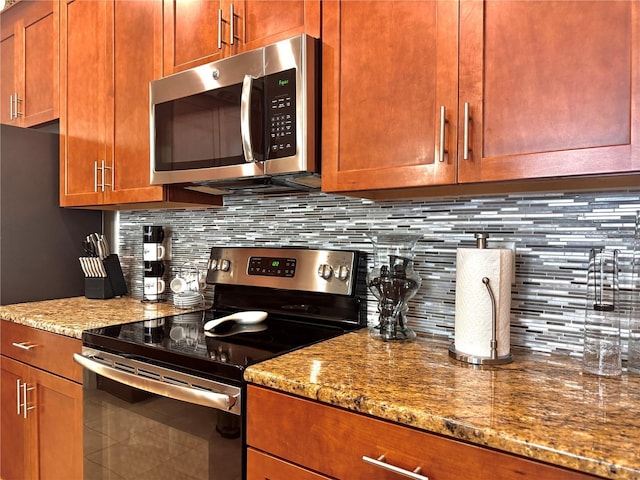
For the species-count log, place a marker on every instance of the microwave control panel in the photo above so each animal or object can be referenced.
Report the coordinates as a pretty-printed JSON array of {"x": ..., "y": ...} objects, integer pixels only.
[{"x": 281, "y": 114}]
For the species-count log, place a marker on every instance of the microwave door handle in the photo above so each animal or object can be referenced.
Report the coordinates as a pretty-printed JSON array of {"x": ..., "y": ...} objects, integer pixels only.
[{"x": 245, "y": 118}]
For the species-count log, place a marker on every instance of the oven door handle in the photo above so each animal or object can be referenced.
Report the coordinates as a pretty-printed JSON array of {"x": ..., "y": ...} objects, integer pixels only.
[
  {"x": 206, "y": 398},
  {"x": 245, "y": 118}
]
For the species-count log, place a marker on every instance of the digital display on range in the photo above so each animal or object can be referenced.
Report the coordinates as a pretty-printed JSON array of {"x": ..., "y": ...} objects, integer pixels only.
[{"x": 272, "y": 266}]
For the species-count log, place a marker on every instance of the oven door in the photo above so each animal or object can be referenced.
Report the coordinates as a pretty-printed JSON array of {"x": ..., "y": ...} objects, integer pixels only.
[{"x": 143, "y": 421}]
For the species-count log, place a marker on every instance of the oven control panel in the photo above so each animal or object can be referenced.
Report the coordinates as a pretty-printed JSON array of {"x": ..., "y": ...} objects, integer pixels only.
[
  {"x": 272, "y": 266},
  {"x": 312, "y": 270}
]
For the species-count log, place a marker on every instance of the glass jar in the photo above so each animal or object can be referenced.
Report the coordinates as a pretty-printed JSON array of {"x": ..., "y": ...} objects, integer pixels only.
[
  {"x": 602, "y": 315},
  {"x": 393, "y": 281}
]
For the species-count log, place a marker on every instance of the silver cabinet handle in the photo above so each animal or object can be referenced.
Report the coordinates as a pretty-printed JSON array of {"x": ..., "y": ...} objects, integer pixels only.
[
  {"x": 23, "y": 345},
  {"x": 11, "y": 107},
  {"x": 104, "y": 168},
  {"x": 219, "y": 29},
  {"x": 443, "y": 121},
  {"x": 465, "y": 148},
  {"x": 206, "y": 398},
  {"x": 18, "y": 391},
  {"x": 245, "y": 118},
  {"x": 381, "y": 462},
  {"x": 102, "y": 175},
  {"x": 231, "y": 22},
  {"x": 25, "y": 403},
  {"x": 16, "y": 110}
]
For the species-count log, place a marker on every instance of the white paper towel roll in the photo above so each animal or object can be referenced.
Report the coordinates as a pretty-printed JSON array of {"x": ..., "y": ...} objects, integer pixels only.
[{"x": 473, "y": 322}]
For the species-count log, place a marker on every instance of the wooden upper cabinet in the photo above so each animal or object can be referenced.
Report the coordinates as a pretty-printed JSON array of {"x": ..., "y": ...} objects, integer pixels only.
[
  {"x": 389, "y": 71},
  {"x": 140, "y": 24},
  {"x": 29, "y": 43},
  {"x": 110, "y": 52},
  {"x": 86, "y": 99},
  {"x": 542, "y": 89},
  {"x": 8, "y": 84},
  {"x": 264, "y": 22},
  {"x": 553, "y": 88},
  {"x": 191, "y": 30},
  {"x": 202, "y": 31}
]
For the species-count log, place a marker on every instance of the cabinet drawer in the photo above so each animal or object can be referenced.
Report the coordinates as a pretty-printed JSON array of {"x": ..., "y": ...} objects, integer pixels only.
[
  {"x": 333, "y": 441},
  {"x": 265, "y": 467},
  {"x": 45, "y": 350}
]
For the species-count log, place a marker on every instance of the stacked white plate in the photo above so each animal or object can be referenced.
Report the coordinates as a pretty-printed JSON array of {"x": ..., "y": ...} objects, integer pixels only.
[{"x": 188, "y": 299}]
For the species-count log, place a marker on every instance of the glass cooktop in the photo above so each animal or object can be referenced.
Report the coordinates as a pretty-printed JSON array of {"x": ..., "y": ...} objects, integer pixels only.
[{"x": 180, "y": 342}]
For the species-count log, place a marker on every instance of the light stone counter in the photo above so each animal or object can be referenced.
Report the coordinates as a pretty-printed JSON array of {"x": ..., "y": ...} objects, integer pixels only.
[
  {"x": 70, "y": 316},
  {"x": 541, "y": 406}
]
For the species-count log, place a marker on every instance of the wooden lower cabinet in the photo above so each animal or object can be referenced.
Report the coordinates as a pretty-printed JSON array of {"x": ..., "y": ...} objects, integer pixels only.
[
  {"x": 325, "y": 440},
  {"x": 261, "y": 466},
  {"x": 41, "y": 412}
]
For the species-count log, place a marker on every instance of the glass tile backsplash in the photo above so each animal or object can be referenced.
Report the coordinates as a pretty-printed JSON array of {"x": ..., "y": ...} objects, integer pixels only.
[{"x": 552, "y": 233}]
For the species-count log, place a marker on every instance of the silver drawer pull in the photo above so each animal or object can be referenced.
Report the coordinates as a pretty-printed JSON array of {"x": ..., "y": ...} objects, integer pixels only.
[
  {"x": 381, "y": 462},
  {"x": 24, "y": 345}
]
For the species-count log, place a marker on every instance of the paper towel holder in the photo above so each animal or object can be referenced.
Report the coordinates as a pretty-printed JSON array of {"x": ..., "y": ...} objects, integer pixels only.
[{"x": 494, "y": 359}]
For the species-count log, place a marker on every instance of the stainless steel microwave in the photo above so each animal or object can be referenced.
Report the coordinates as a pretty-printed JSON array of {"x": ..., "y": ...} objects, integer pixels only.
[{"x": 243, "y": 123}]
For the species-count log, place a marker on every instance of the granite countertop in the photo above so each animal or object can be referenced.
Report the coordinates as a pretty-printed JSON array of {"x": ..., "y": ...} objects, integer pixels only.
[
  {"x": 540, "y": 406},
  {"x": 70, "y": 316}
]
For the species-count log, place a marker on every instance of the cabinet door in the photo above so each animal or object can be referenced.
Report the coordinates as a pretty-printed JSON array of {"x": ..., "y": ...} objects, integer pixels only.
[
  {"x": 140, "y": 24},
  {"x": 8, "y": 46},
  {"x": 388, "y": 68},
  {"x": 87, "y": 101},
  {"x": 14, "y": 459},
  {"x": 58, "y": 405},
  {"x": 261, "y": 22},
  {"x": 191, "y": 29},
  {"x": 553, "y": 88},
  {"x": 30, "y": 57},
  {"x": 40, "y": 58}
]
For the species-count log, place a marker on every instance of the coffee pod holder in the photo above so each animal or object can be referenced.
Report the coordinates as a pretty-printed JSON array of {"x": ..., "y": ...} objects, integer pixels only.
[
  {"x": 153, "y": 237},
  {"x": 108, "y": 279}
]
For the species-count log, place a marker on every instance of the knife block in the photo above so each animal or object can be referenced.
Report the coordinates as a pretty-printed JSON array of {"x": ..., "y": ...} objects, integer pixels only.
[{"x": 113, "y": 285}]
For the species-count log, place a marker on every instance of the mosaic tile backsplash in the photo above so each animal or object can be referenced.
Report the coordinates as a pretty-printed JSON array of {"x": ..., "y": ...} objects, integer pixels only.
[{"x": 552, "y": 233}]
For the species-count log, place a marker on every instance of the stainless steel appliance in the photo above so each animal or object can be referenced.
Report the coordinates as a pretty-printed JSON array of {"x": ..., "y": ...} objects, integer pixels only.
[
  {"x": 165, "y": 396},
  {"x": 244, "y": 122}
]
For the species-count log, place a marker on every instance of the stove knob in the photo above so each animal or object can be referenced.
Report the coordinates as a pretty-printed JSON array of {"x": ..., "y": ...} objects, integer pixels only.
[
  {"x": 225, "y": 265},
  {"x": 325, "y": 271},
  {"x": 342, "y": 272},
  {"x": 213, "y": 264}
]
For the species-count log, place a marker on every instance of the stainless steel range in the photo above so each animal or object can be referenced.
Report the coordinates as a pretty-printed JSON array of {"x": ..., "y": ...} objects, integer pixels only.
[{"x": 165, "y": 395}]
